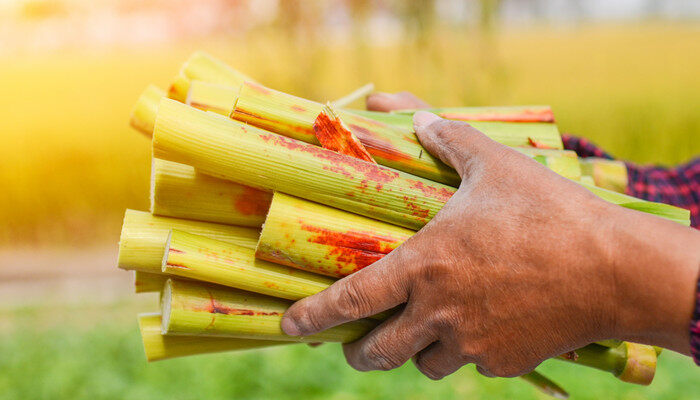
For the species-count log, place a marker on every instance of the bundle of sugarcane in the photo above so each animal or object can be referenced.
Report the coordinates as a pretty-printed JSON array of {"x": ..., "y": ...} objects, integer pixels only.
[{"x": 260, "y": 198}]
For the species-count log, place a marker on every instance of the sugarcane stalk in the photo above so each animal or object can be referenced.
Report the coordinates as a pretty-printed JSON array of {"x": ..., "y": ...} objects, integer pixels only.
[
  {"x": 514, "y": 134},
  {"x": 144, "y": 236},
  {"x": 229, "y": 149},
  {"x": 545, "y": 385},
  {"x": 353, "y": 96},
  {"x": 147, "y": 282},
  {"x": 333, "y": 134},
  {"x": 204, "y": 259},
  {"x": 212, "y": 97},
  {"x": 204, "y": 67},
  {"x": 676, "y": 214},
  {"x": 143, "y": 115},
  {"x": 194, "y": 308},
  {"x": 629, "y": 362},
  {"x": 177, "y": 190},
  {"x": 225, "y": 148},
  {"x": 393, "y": 146},
  {"x": 322, "y": 239},
  {"x": 294, "y": 117},
  {"x": 502, "y": 114},
  {"x": 161, "y": 347},
  {"x": 563, "y": 162},
  {"x": 607, "y": 174}
]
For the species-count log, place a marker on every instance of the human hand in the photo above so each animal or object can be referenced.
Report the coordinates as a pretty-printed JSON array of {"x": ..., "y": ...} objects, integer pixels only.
[{"x": 519, "y": 266}]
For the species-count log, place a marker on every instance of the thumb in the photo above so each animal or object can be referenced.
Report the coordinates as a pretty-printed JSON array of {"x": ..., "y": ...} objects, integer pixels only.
[{"x": 456, "y": 143}]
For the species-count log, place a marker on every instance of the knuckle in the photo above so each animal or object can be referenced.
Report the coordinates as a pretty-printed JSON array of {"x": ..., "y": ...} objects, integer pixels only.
[
  {"x": 378, "y": 358},
  {"x": 428, "y": 369},
  {"x": 441, "y": 320},
  {"x": 307, "y": 322},
  {"x": 351, "y": 303}
]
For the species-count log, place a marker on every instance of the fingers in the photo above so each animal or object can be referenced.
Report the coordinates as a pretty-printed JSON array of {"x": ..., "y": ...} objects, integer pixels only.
[
  {"x": 394, "y": 101},
  {"x": 374, "y": 289},
  {"x": 389, "y": 345},
  {"x": 439, "y": 360},
  {"x": 456, "y": 143}
]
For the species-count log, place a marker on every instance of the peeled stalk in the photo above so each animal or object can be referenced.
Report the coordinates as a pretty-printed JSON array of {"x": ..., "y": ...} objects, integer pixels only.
[
  {"x": 353, "y": 96},
  {"x": 161, "y": 347},
  {"x": 225, "y": 148},
  {"x": 545, "y": 385},
  {"x": 322, "y": 239},
  {"x": 502, "y": 114},
  {"x": 200, "y": 258},
  {"x": 676, "y": 214},
  {"x": 212, "y": 97},
  {"x": 563, "y": 162},
  {"x": 514, "y": 134},
  {"x": 629, "y": 362},
  {"x": 177, "y": 190},
  {"x": 228, "y": 149},
  {"x": 294, "y": 117},
  {"x": 147, "y": 282},
  {"x": 143, "y": 115},
  {"x": 193, "y": 308},
  {"x": 204, "y": 67},
  {"x": 607, "y": 174},
  {"x": 144, "y": 236}
]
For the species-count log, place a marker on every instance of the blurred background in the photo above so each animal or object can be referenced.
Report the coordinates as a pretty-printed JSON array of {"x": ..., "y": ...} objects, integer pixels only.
[{"x": 624, "y": 73}]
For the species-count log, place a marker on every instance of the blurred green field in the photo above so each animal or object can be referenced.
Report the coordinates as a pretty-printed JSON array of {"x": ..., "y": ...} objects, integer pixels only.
[
  {"x": 70, "y": 164},
  {"x": 94, "y": 352}
]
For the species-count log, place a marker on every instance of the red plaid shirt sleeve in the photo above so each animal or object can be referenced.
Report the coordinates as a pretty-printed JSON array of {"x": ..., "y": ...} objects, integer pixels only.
[{"x": 679, "y": 186}]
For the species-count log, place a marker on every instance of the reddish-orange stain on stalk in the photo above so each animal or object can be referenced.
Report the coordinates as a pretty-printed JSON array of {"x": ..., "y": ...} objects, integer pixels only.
[
  {"x": 215, "y": 307},
  {"x": 332, "y": 135},
  {"x": 353, "y": 250},
  {"x": 296, "y": 107},
  {"x": 260, "y": 121},
  {"x": 439, "y": 193},
  {"x": 176, "y": 265},
  {"x": 338, "y": 161},
  {"x": 259, "y": 88},
  {"x": 378, "y": 146},
  {"x": 173, "y": 250},
  {"x": 252, "y": 201},
  {"x": 527, "y": 115},
  {"x": 539, "y": 145}
]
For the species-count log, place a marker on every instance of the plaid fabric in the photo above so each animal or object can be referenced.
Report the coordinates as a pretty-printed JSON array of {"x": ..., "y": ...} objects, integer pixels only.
[
  {"x": 695, "y": 328},
  {"x": 679, "y": 186}
]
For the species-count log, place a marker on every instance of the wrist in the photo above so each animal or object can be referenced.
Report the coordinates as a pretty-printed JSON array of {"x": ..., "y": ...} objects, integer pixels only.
[{"x": 653, "y": 264}]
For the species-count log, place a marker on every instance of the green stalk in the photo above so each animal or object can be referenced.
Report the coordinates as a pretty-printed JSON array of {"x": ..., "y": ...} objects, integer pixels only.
[
  {"x": 545, "y": 385},
  {"x": 630, "y": 362},
  {"x": 228, "y": 149},
  {"x": 193, "y": 308},
  {"x": 676, "y": 214},
  {"x": 144, "y": 236},
  {"x": 530, "y": 114},
  {"x": 177, "y": 190},
  {"x": 162, "y": 347},
  {"x": 204, "y": 259}
]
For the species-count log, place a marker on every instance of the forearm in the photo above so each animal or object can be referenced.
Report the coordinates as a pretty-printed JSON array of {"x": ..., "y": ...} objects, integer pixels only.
[{"x": 655, "y": 267}]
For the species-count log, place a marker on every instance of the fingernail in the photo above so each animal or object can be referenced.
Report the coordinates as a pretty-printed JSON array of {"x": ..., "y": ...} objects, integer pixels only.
[
  {"x": 422, "y": 119},
  {"x": 289, "y": 327}
]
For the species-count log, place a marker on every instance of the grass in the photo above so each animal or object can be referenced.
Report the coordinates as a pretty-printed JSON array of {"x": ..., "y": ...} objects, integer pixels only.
[
  {"x": 99, "y": 356},
  {"x": 70, "y": 164}
]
